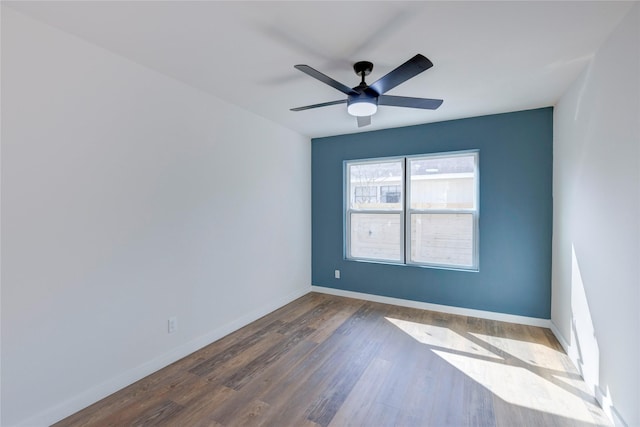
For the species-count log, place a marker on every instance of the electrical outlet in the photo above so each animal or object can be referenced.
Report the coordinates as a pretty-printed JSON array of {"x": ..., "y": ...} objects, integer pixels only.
[
  {"x": 337, "y": 274},
  {"x": 173, "y": 324}
]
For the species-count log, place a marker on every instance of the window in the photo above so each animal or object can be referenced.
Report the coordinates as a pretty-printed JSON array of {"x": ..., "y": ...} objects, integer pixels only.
[{"x": 419, "y": 210}]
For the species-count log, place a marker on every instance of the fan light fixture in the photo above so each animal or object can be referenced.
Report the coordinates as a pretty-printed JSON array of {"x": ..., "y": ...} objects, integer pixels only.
[
  {"x": 362, "y": 107},
  {"x": 362, "y": 101}
]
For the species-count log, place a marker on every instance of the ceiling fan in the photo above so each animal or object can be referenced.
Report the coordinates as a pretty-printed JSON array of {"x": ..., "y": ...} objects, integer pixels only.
[{"x": 363, "y": 100}]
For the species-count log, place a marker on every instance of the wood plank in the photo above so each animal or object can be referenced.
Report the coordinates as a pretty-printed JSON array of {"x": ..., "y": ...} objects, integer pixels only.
[
  {"x": 200, "y": 407},
  {"x": 308, "y": 316},
  {"x": 327, "y": 404},
  {"x": 245, "y": 374},
  {"x": 364, "y": 403},
  {"x": 226, "y": 412},
  {"x": 161, "y": 414},
  {"x": 330, "y": 321},
  {"x": 256, "y": 413},
  {"x": 224, "y": 355},
  {"x": 307, "y": 381},
  {"x": 479, "y": 402}
]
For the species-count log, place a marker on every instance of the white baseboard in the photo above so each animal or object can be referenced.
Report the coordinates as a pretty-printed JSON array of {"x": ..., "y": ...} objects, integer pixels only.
[
  {"x": 100, "y": 391},
  {"x": 511, "y": 318},
  {"x": 617, "y": 419},
  {"x": 563, "y": 342}
]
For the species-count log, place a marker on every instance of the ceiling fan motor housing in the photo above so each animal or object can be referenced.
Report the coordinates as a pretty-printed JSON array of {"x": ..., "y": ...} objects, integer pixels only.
[{"x": 363, "y": 67}]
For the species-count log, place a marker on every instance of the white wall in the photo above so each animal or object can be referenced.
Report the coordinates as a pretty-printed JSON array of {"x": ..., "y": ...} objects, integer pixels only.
[
  {"x": 129, "y": 197},
  {"x": 596, "y": 247}
]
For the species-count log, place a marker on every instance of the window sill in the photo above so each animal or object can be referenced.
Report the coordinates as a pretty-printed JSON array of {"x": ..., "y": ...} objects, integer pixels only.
[{"x": 400, "y": 264}]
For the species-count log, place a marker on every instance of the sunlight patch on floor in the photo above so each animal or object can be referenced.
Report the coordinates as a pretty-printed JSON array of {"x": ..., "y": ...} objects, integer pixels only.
[
  {"x": 575, "y": 382},
  {"x": 520, "y": 386},
  {"x": 528, "y": 352},
  {"x": 519, "y": 372},
  {"x": 439, "y": 336}
]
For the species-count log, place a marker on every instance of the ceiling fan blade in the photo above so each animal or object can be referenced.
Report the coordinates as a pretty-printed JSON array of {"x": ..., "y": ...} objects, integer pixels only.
[
  {"x": 324, "y": 104},
  {"x": 325, "y": 79},
  {"x": 364, "y": 121},
  {"x": 405, "y": 101},
  {"x": 409, "y": 69}
]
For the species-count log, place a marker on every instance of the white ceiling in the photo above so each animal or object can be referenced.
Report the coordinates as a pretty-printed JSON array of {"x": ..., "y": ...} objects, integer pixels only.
[{"x": 489, "y": 57}]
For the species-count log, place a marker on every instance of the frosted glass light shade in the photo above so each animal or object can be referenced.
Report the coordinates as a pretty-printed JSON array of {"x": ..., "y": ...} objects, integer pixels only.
[{"x": 362, "y": 108}]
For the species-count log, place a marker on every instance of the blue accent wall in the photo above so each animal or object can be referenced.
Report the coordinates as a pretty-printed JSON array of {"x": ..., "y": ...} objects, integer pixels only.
[{"x": 515, "y": 214}]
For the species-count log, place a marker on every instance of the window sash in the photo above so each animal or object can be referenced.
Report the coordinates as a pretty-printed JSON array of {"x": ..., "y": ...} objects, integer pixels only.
[
  {"x": 397, "y": 211},
  {"x": 474, "y": 212}
]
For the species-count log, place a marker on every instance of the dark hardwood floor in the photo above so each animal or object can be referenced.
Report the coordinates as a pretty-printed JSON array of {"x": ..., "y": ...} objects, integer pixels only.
[{"x": 331, "y": 361}]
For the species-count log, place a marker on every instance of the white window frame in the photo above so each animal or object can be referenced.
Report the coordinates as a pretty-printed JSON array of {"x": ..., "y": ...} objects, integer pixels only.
[{"x": 406, "y": 211}]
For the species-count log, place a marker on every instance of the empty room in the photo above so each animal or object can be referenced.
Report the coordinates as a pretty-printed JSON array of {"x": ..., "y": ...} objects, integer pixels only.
[{"x": 320, "y": 213}]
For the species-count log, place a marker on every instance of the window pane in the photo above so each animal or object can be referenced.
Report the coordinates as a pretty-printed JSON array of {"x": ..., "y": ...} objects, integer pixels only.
[
  {"x": 366, "y": 181},
  {"x": 365, "y": 194},
  {"x": 376, "y": 236},
  {"x": 445, "y": 239},
  {"x": 390, "y": 193},
  {"x": 443, "y": 182}
]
